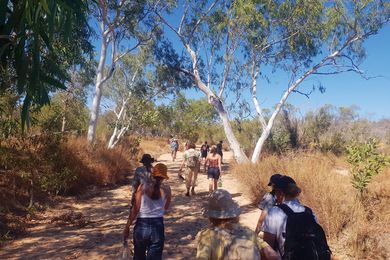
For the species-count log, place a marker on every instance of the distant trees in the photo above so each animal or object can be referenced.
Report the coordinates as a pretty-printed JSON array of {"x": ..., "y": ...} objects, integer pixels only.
[
  {"x": 228, "y": 42},
  {"x": 119, "y": 21}
]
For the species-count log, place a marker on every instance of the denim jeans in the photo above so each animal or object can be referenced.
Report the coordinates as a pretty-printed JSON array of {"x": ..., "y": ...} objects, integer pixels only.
[{"x": 148, "y": 238}]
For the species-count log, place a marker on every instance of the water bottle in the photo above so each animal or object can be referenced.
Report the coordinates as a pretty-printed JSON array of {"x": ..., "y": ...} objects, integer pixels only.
[{"x": 220, "y": 183}]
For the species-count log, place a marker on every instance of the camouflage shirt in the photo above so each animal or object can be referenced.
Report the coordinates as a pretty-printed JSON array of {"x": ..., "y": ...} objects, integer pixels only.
[{"x": 216, "y": 243}]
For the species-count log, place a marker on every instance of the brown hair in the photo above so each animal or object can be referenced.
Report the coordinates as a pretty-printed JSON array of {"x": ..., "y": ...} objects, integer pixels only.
[
  {"x": 153, "y": 189},
  {"x": 213, "y": 149},
  {"x": 192, "y": 145}
]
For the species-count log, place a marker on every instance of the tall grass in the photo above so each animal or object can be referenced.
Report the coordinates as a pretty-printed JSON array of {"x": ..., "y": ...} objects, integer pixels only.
[
  {"x": 355, "y": 229},
  {"x": 36, "y": 168},
  {"x": 155, "y": 146}
]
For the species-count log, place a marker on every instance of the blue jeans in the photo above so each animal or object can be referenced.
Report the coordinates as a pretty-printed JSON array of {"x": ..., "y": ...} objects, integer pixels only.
[{"x": 148, "y": 238}]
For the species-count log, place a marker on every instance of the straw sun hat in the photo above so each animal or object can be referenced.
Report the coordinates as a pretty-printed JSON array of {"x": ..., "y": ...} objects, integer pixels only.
[
  {"x": 221, "y": 206},
  {"x": 160, "y": 170}
]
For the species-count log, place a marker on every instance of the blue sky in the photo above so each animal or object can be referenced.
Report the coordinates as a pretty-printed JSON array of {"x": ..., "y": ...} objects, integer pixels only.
[
  {"x": 346, "y": 89},
  {"x": 372, "y": 97}
]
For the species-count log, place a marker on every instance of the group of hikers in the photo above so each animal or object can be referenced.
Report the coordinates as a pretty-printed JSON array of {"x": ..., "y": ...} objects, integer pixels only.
[{"x": 286, "y": 229}]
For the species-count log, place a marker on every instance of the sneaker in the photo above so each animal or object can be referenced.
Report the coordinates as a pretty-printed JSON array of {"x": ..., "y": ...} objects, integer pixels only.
[
  {"x": 187, "y": 194},
  {"x": 193, "y": 192}
]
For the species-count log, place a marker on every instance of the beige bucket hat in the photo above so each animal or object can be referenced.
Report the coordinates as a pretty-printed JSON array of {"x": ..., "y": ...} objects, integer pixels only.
[{"x": 221, "y": 206}]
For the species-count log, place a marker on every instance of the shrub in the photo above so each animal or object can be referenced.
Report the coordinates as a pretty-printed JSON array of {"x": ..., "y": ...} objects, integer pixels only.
[{"x": 366, "y": 162}]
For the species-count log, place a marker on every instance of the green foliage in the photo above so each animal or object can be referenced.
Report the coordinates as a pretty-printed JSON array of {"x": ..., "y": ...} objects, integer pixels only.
[
  {"x": 42, "y": 39},
  {"x": 51, "y": 117},
  {"x": 366, "y": 162},
  {"x": 58, "y": 182}
]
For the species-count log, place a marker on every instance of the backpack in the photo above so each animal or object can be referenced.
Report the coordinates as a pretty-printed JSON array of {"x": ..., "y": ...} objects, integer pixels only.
[
  {"x": 174, "y": 145},
  {"x": 192, "y": 160},
  {"x": 305, "y": 238}
]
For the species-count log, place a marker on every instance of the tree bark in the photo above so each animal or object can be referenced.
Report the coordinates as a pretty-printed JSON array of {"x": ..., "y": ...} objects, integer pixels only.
[
  {"x": 63, "y": 124},
  {"x": 238, "y": 153},
  {"x": 98, "y": 92}
]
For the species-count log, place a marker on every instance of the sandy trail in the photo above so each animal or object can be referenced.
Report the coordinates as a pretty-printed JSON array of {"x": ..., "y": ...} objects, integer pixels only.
[{"x": 107, "y": 210}]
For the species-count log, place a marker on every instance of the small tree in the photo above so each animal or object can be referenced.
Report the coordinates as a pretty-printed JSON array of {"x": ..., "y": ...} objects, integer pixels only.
[{"x": 366, "y": 162}]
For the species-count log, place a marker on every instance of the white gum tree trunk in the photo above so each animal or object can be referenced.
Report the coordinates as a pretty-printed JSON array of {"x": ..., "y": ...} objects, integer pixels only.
[
  {"x": 98, "y": 92},
  {"x": 216, "y": 102}
]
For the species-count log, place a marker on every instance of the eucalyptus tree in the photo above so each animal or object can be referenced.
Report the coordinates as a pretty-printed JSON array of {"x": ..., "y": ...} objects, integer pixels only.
[
  {"x": 228, "y": 42},
  {"x": 123, "y": 24},
  {"x": 39, "y": 41},
  {"x": 128, "y": 92}
]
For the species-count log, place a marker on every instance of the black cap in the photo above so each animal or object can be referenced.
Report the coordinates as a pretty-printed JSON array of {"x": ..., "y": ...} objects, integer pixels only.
[
  {"x": 274, "y": 178},
  {"x": 287, "y": 184},
  {"x": 146, "y": 158}
]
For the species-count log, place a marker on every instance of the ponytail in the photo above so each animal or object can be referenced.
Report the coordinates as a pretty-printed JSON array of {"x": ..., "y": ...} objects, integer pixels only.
[{"x": 153, "y": 190}]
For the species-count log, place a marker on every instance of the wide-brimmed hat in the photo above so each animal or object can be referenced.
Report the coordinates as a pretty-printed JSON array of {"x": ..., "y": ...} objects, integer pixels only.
[
  {"x": 160, "y": 170},
  {"x": 146, "y": 158},
  {"x": 221, "y": 206},
  {"x": 274, "y": 178}
]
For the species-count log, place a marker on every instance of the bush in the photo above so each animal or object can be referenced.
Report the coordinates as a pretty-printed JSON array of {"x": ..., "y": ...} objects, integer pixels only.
[
  {"x": 34, "y": 168},
  {"x": 366, "y": 162}
]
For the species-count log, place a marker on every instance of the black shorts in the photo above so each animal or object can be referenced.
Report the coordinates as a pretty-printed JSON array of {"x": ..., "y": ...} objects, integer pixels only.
[
  {"x": 213, "y": 173},
  {"x": 204, "y": 154}
]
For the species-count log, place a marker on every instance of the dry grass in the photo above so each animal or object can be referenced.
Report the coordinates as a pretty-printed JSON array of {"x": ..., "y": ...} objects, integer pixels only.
[
  {"x": 154, "y": 146},
  {"x": 355, "y": 230},
  {"x": 53, "y": 165},
  {"x": 95, "y": 166}
]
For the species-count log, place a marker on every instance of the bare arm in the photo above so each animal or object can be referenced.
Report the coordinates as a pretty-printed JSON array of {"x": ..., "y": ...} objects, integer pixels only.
[
  {"x": 205, "y": 162},
  {"x": 270, "y": 239},
  {"x": 183, "y": 162},
  {"x": 133, "y": 213},
  {"x": 168, "y": 197},
  {"x": 220, "y": 164},
  {"x": 261, "y": 220}
]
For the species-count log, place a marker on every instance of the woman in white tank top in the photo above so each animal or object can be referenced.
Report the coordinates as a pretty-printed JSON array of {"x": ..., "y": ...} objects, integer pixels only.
[{"x": 151, "y": 201}]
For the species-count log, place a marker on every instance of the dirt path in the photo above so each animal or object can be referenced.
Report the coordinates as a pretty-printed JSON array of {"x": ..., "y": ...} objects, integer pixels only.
[{"x": 98, "y": 235}]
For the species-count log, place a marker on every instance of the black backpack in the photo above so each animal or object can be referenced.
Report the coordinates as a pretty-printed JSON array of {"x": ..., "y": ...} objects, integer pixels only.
[{"x": 305, "y": 238}]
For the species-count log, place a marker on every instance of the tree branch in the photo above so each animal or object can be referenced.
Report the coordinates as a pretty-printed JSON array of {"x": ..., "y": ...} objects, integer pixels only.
[
  {"x": 254, "y": 74},
  {"x": 201, "y": 19}
]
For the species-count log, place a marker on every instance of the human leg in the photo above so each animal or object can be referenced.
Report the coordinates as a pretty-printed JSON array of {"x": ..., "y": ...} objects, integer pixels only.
[
  {"x": 194, "y": 179},
  {"x": 211, "y": 181},
  {"x": 157, "y": 240},
  {"x": 189, "y": 178},
  {"x": 215, "y": 184},
  {"x": 141, "y": 239}
]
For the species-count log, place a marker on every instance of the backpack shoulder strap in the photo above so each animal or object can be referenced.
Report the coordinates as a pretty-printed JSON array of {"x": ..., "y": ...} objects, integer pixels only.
[
  {"x": 308, "y": 210},
  {"x": 286, "y": 209}
]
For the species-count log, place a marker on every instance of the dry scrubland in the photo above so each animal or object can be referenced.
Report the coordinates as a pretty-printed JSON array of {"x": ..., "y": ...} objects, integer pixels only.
[
  {"x": 356, "y": 230},
  {"x": 43, "y": 166},
  {"x": 50, "y": 165}
]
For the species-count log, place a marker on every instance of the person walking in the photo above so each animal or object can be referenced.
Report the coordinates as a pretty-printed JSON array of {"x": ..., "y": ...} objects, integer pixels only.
[
  {"x": 291, "y": 228},
  {"x": 141, "y": 175},
  {"x": 152, "y": 200},
  {"x": 204, "y": 150},
  {"x": 219, "y": 149},
  {"x": 213, "y": 166},
  {"x": 191, "y": 162},
  {"x": 225, "y": 238},
  {"x": 174, "y": 143},
  {"x": 268, "y": 201}
]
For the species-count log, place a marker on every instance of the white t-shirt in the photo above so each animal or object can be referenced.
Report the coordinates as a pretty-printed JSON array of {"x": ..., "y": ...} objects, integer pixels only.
[{"x": 276, "y": 220}]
